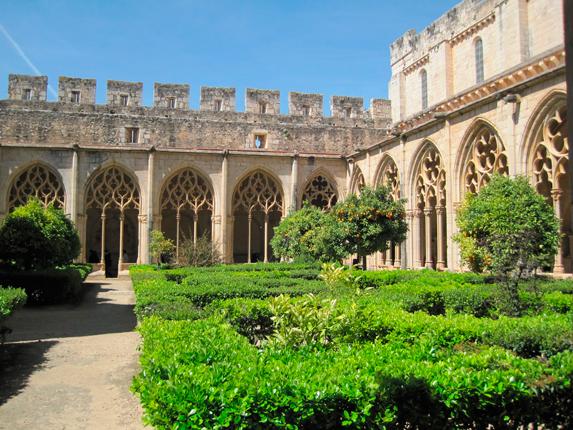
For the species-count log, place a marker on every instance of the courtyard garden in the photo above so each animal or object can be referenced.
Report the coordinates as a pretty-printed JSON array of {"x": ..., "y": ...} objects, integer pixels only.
[{"x": 299, "y": 346}]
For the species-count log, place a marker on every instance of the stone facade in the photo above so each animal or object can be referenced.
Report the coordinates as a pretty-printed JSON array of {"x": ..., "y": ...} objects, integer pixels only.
[{"x": 494, "y": 103}]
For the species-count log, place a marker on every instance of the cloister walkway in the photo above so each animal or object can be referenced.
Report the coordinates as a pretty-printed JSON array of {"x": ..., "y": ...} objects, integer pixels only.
[{"x": 70, "y": 367}]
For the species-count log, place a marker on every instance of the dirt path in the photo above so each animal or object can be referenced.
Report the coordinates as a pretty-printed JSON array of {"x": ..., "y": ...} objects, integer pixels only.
[{"x": 70, "y": 367}]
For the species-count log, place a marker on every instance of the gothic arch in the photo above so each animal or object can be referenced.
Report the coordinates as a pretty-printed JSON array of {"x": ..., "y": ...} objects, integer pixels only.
[
  {"x": 357, "y": 182},
  {"x": 320, "y": 190},
  {"x": 547, "y": 149},
  {"x": 429, "y": 201},
  {"x": 186, "y": 206},
  {"x": 112, "y": 204},
  {"x": 258, "y": 201},
  {"x": 388, "y": 174},
  {"x": 482, "y": 154},
  {"x": 36, "y": 179}
]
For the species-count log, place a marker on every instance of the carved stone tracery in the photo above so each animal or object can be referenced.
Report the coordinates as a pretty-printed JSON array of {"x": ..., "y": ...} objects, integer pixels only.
[
  {"x": 112, "y": 189},
  {"x": 431, "y": 180},
  {"x": 358, "y": 182},
  {"x": 187, "y": 190},
  {"x": 319, "y": 192},
  {"x": 390, "y": 178},
  {"x": 487, "y": 157},
  {"x": 36, "y": 181},
  {"x": 258, "y": 192}
]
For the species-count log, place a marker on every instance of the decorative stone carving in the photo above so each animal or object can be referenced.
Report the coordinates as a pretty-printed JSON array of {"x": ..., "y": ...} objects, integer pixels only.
[
  {"x": 112, "y": 188},
  {"x": 36, "y": 181},
  {"x": 319, "y": 192},
  {"x": 487, "y": 157},
  {"x": 390, "y": 178},
  {"x": 431, "y": 180},
  {"x": 187, "y": 190},
  {"x": 259, "y": 192}
]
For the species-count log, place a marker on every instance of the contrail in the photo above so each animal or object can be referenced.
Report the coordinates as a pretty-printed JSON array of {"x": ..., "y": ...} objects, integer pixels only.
[{"x": 24, "y": 57}]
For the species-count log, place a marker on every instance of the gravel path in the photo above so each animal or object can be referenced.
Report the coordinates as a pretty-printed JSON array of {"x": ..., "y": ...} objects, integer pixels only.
[{"x": 70, "y": 367}]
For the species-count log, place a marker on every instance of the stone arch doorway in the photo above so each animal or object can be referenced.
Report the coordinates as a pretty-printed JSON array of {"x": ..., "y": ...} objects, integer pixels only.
[
  {"x": 389, "y": 177},
  {"x": 186, "y": 208},
  {"x": 112, "y": 216},
  {"x": 548, "y": 167},
  {"x": 319, "y": 191},
  {"x": 257, "y": 209},
  {"x": 37, "y": 181},
  {"x": 430, "y": 211}
]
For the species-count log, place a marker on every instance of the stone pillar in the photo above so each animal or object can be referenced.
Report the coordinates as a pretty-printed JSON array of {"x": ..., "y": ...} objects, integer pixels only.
[
  {"x": 249, "y": 238},
  {"x": 177, "y": 233},
  {"x": 294, "y": 183},
  {"x": 408, "y": 242},
  {"x": 146, "y": 232},
  {"x": 417, "y": 237},
  {"x": 121, "y": 226},
  {"x": 73, "y": 210},
  {"x": 225, "y": 240},
  {"x": 266, "y": 241},
  {"x": 102, "y": 259},
  {"x": 440, "y": 221},
  {"x": 397, "y": 259},
  {"x": 428, "y": 240},
  {"x": 558, "y": 266}
]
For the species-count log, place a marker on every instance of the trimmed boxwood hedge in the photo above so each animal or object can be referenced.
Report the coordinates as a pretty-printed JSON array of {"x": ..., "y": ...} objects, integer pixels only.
[
  {"x": 414, "y": 349},
  {"x": 50, "y": 286},
  {"x": 10, "y": 299}
]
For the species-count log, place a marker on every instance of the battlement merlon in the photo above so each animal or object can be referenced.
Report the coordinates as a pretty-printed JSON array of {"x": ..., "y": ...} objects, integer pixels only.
[
  {"x": 121, "y": 93},
  {"x": 79, "y": 91},
  {"x": 449, "y": 24},
  {"x": 28, "y": 88},
  {"x": 171, "y": 96}
]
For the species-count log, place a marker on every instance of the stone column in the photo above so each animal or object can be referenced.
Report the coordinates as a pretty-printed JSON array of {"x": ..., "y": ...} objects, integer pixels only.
[
  {"x": 440, "y": 220},
  {"x": 397, "y": 259},
  {"x": 102, "y": 259},
  {"x": 225, "y": 240},
  {"x": 121, "y": 226},
  {"x": 249, "y": 238},
  {"x": 266, "y": 260},
  {"x": 428, "y": 218},
  {"x": 558, "y": 266},
  {"x": 417, "y": 238},
  {"x": 194, "y": 228},
  {"x": 178, "y": 225},
  {"x": 146, "y": 233},
  {"x": 294, "y": 183},
  {"x": 409, "y": 239},
  {"x": 74, "y": 189}
]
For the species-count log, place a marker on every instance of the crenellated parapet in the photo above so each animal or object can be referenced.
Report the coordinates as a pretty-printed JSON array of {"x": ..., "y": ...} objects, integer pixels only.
[{"x": 176, "y": 97}]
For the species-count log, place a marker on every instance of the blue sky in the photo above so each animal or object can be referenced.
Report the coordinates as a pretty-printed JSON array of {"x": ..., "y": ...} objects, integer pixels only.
[{"x": 337, "y": 47}]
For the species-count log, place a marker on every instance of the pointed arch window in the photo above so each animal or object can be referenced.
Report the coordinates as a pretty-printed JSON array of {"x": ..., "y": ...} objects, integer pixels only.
[
  {"x": 424, "y": 86},
  {"x": 478, "y": 47}
]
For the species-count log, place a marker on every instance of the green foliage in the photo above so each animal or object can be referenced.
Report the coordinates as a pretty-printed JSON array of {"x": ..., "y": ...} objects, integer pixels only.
[
  {"x": 34, "y": 237},
  {"x": 507, "y": 229},
  {"x": 294, "y": 237},
  {"x": 160, "y": 248},
  {"x": 10, "y": 299},
  {"x": 201, "y": 253},
  {"x": 416, "y": 349},
  {"x": 49, "y": 286},
  {"x": 371, "y": 221}
]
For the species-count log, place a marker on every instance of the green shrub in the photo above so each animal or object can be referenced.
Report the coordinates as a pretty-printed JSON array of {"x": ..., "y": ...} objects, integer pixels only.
[
  {"x": 50, "y": 286},
  {"x": 10, "y": 299},
  {"x": 35, "y": 238},
  {"x": 202, "y": 374},
  {"x": 199, "y": 253}
]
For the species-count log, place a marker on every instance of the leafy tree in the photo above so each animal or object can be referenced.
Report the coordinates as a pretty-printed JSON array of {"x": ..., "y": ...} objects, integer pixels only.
[
  {"x": 507, "y": 229},
  {"x": 294, "y": 237},
  {"x": 160, "y": 246},
  {"x": 370, "y": 221},
  {"x": 34, "y": 238}
]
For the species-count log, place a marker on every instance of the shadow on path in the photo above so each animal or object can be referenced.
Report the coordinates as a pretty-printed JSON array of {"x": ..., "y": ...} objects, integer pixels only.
[
  {"x": 17, "y": 362},
  {"x": 105, "y": 308}
]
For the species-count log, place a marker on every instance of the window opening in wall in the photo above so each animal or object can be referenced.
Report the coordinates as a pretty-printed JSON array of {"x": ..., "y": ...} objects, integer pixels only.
[
  {"x": 171, "y": 102},
  {"x": 262, "y": 107},
  {"x": 131, "y": 134},
  {"x": 218, "y": 105},
  {"x": 479, "y": 60},
  {"x": 424, "y": 82},
  {"x": 347, "y": 112},
  {"x": 123, "y": 99},
  {"x": 75, "y": 97},
  {"x": 306, "y": 110},
  {"x": 260, "y": 141},
  {"x": 27, "y": 94}
]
